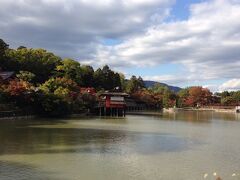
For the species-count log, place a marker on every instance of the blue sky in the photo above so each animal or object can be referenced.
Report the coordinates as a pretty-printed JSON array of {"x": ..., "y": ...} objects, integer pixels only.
[
  {"x": 179, "y": 42},
  {"x": 180, "y": 10}
]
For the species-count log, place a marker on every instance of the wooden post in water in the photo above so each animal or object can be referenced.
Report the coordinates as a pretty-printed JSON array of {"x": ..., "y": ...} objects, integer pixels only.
[{"x": 105, "y": 111}]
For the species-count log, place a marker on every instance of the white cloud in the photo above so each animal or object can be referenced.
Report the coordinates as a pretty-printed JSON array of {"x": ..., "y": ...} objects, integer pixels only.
[
  {"x": 207, "y": 44},
  {"x": 75, "y": 28},
  {"x": 212, "y": 87},
  {"x": 231, "y": 85}
]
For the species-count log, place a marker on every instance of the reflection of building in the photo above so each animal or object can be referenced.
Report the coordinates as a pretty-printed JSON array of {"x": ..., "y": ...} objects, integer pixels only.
[{"x": 112, "y": 104}]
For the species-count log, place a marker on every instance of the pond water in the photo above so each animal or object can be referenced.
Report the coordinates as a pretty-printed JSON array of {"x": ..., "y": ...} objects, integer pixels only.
[{"x": 182, "y": 146}]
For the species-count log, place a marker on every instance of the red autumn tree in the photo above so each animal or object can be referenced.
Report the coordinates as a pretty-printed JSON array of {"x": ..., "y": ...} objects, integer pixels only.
[
  {"x": 17, "y": 87},
  {"x": 196, "y": 96}
]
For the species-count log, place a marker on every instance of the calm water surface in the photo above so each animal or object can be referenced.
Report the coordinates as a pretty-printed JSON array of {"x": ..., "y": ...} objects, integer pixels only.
[{"x": 180, "y": 146}]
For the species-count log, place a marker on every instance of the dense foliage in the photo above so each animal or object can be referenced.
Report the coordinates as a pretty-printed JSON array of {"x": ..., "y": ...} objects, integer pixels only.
[
  {"x": 46, "y": 83},
  {"x": 229, "y": 98},
  {"x": 52, "y": 86}
]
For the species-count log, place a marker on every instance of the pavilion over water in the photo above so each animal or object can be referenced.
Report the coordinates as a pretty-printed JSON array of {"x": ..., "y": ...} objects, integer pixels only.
[{"x": 112, "y": 104}]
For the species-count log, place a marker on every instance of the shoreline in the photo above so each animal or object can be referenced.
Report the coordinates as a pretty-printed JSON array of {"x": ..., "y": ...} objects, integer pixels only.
[
  {"x": 18, "y": 117},
  {"x": 171, "y": 110},
  {"x": 148, "y": 112}
]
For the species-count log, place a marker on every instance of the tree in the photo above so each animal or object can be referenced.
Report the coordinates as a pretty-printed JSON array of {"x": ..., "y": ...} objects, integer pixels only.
[
  {"x": 230, "y": 98},
  {"x": 106, "y": 79},
  {"x": 58, "y": 97},
  {"x": 70, "y": 69},
  {"x": 18, "y": 87},
  {"x": 236, "y": 96},
  {"x": 62, "y": 87},
  {"x": 123, "y": 81},
  {"x": 225, "y": 94},
  {"x": 228, "y": 101},
  {"x": 144, "y": 95},
  {"x": 169, "y": 98},
  {"x": 19, "y": 92},
  {"x": 51, "y": 105},
  {"x": 183, "y": 95},
  {"x": 195, "y": 96},
  {"x": 87, "y": 73},
  {"x": 3, "y": 48},
  {"x": 158, "y": 88},
  {"x": 26, "y": 76},
  {"x": 141, "y": 83},
  {"x": 3, "y": 57},
  {"x": 200, "y": 96},
  {"x": 37, "y": 61},
  {"x": 134, "y": 84}
]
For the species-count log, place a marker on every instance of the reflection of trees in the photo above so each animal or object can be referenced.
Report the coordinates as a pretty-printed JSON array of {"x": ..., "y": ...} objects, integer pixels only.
[
  {"x": 227, "y": 116},
  {"x": 50, "y": 140},
  {"x": 24, "y": 140},
  {"x": 200, "y": 116}
]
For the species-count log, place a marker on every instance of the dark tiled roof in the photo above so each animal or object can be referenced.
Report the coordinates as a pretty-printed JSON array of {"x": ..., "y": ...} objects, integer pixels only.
[{"x": 5, "y": 75}]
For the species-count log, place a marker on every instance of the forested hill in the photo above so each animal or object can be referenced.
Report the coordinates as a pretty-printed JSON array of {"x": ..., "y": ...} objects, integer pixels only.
[{"x": 172, "y": 88}]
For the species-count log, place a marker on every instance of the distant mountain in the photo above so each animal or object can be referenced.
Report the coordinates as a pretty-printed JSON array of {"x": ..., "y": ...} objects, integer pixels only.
[{"x": 172, "y": 88}]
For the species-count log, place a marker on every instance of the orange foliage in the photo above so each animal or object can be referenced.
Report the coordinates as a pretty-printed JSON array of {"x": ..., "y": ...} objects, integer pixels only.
[
  {"x": 198, "y": 96},
  {"x": 148, "y": 97},
  {"x": 17, "y": 87}
]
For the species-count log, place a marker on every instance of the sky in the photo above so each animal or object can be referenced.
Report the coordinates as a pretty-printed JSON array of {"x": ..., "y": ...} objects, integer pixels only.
[{"x": 178, "y": 42}]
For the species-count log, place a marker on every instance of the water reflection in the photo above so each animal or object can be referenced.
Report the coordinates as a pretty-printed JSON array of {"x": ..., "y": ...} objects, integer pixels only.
[
  {"x": 20, "y": 171},
  {"x": 74, "y": 140},
  {"x": 201, "y": 116},
  {"x": 184, "y": 145}
]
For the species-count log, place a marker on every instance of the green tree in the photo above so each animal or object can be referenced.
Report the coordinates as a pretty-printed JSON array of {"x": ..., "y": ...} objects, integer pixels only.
[
  {"x": 87, "y": 73},
  {"x": 225, "y": 94},
  {"x": 158, "y": 88},
  {"x": 228, "y": 101},
  {"x": 51, "y": 105},
  {"x": 123, "y": 81},
  {"x": 26, "y": 76},
  {"x": 183, "y": 94},
  {"x": 134, "y": 84},
  {"x": 4, "y": 62},
  {"x": 58, "y": 97},
  {"x": 106, "y": 79},
  {"x": 70, "y": 69},
  {"x": 169, "y": 98},
  {"x": 38, "y": 61},
  {"x": 3, "y": 48},
  {"x": 59, "y": 87},
  {"x": 236, "y": 96}
]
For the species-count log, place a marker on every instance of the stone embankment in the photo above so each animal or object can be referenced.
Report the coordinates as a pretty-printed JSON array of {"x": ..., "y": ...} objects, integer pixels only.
[{"x": 225, "y": 110}]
